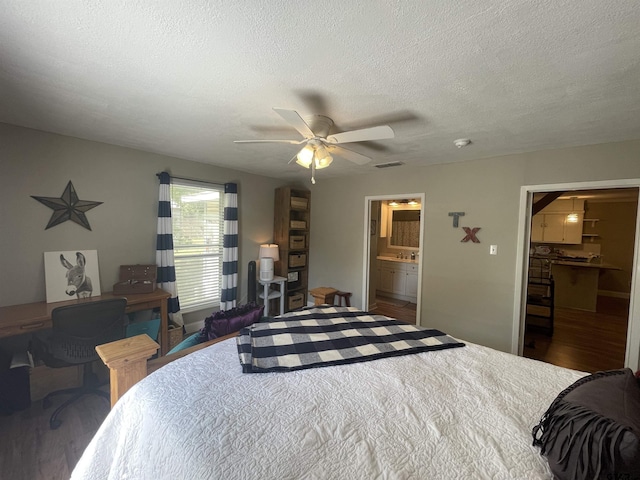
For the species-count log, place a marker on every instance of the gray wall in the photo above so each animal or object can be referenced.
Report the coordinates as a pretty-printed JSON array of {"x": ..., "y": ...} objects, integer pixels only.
[
  {"x": 466, "y": 292},
  {"x": 123, "y": 227}
]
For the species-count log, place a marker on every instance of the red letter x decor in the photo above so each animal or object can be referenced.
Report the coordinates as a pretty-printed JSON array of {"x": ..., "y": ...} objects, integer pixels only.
[{"x": 471, "y": 234}]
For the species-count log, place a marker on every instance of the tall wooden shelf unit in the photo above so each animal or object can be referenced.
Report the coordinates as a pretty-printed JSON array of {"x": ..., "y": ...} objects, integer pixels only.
[{"x": 291, "y": 233}]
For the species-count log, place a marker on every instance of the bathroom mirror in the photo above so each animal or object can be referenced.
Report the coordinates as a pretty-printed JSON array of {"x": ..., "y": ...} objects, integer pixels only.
[{"x": 404, "y": 228}]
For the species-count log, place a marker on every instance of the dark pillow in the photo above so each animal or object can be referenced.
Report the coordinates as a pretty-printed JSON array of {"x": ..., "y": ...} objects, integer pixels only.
[
  {"x": 226, "y": 321},
  {"x": 592, "y": 429}
]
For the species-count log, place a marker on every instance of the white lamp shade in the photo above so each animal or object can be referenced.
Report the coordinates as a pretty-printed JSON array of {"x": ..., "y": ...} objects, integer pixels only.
[{"x": 270, "y": 250}]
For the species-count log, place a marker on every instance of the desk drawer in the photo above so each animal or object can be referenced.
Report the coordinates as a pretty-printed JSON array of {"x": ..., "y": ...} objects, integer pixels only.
[
  {"x": 136, "y": 307},
  {"x": 24, "y": 327}
]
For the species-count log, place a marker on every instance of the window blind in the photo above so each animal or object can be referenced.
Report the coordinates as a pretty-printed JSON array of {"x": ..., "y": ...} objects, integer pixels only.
[{"x": 197, "y": 211}]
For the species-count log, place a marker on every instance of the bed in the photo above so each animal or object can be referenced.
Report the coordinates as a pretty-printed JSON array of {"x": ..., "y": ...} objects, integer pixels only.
[{"x": 455, "y": 413}]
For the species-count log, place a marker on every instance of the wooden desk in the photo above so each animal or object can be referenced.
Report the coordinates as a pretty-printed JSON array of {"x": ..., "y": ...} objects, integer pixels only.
[{"x": 30, "y": 317}]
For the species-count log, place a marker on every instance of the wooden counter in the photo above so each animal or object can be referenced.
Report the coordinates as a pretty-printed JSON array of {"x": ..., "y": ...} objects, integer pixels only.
[{"x": 576, "y": 283}]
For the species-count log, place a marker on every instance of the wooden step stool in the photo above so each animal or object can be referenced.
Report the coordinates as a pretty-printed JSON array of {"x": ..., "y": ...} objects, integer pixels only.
[
  {"x": 346, "y": 296},
  {"x": 323, "y": 295}
]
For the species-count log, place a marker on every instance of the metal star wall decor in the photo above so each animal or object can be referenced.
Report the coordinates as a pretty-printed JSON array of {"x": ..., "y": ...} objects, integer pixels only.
[{"x": 68, "y": 207}]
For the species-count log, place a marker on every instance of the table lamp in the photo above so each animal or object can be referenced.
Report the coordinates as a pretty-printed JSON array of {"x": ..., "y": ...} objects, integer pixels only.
[{"x": 268, "y": 255}]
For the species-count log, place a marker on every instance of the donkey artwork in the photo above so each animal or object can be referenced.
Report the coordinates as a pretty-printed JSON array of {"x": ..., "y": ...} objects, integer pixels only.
[{"x": 77, "y": 281}]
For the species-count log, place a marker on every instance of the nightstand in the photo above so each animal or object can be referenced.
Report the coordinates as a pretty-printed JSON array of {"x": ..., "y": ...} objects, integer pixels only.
[{"x": 269, "y": 295}]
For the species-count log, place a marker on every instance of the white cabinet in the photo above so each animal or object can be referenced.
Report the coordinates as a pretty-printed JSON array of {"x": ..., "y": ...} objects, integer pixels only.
[
  {"x": 411, "y": 288},
  {"x": 559, "y": 222},
  {"x": 398, "y": 278},
  {"x": 385, "y": 282},
  {"x": 392, "y": 278},
  {"x": 399, "y": 282}
]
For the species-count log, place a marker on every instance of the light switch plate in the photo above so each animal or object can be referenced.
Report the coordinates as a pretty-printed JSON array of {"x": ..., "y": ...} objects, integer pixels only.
[{"x": 493, "y": 250}]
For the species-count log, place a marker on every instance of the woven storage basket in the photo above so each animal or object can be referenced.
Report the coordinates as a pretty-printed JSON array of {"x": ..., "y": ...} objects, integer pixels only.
[
  {"x": 296, "y": 301},
  {"x": 299, "y": 203},
  {"x": 297, "y": 260},
  {"x": 175, "y": 336}
]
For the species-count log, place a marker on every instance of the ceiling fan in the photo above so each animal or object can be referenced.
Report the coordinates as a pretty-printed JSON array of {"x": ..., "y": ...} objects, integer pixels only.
[{"x": 319, "y": 144}]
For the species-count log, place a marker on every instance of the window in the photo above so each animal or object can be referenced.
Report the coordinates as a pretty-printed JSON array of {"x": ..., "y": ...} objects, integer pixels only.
[{"x": 197, "y": 211}]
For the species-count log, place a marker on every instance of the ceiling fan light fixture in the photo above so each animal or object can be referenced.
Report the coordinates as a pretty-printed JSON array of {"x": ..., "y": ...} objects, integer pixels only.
[
  {"x": 323, "y": 162},
  {"x": 305, "y": 156},
  {"x": 315, "y": 132}
]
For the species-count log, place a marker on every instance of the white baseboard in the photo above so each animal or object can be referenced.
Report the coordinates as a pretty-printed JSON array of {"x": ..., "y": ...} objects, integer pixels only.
[{"x": 611, "y": 293}]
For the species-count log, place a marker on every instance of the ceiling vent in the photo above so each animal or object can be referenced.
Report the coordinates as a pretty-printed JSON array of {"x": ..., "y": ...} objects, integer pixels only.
[{"x": 389, "y": 164}]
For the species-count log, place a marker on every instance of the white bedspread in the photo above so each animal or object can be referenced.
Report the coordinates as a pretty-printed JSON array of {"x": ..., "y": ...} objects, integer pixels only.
[{"x": 460, "y": 413}]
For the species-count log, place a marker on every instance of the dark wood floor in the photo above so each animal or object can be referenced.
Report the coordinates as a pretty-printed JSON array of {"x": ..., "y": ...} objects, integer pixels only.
[
  {"x": 587, "y": 341},
  {"x": 403, "y": 311},
  {"x": 29, "y": 450}
]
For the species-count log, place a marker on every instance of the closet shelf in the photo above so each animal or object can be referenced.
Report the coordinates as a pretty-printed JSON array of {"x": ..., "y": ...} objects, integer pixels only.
[{"x": 592, "y": 220}]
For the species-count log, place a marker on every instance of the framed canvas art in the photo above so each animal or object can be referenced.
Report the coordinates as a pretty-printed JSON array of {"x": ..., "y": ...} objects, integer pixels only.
[{"x": 72, "y": 274}]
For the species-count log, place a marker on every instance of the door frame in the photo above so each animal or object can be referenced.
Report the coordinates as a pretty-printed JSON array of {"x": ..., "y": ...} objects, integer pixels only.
[
  {"x": 632, "y": 348},
  {"x": 366, "y": 271}
]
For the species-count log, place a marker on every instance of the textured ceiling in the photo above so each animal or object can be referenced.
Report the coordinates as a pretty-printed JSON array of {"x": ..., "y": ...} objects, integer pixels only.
[{"x": 186, "y": 78}]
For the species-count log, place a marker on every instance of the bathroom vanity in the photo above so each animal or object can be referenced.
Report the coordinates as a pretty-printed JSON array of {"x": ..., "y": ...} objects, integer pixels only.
[{"x": 398, "y": 278}]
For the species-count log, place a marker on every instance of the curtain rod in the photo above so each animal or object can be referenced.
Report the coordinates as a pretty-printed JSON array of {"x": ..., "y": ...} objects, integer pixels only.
[{"x": 192, "y": 179}]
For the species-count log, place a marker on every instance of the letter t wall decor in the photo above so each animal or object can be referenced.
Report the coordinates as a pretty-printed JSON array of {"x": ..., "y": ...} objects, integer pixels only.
[{"x": 470, "y": 232}]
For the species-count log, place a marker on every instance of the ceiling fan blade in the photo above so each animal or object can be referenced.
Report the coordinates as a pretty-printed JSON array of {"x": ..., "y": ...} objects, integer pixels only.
[
  {"x": 373, "y": 133},
  {"x": 292, "y": 142},
  {"x": 296, "y": 121},
  {"x": 349, "y": 154}
]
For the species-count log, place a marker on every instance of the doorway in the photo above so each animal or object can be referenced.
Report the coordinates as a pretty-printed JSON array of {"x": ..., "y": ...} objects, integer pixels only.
[
  {"x": 582, "y": 315},
  {"x": 393, "y": 246}
]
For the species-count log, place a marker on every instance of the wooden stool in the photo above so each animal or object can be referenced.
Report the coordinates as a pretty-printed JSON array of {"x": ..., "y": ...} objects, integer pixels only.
[
  {"x": 323, "y": 295},
  {"x": 346, "y": 296}
]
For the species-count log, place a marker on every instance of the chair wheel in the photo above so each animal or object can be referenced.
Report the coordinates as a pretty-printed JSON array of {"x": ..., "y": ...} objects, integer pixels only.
[
  {"x": 54, "y": 424},
  {"x": 46, "y": 403}
]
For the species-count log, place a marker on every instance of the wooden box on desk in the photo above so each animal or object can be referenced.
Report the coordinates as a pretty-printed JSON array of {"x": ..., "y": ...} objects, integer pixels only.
[{"x": 136, "y": 279}]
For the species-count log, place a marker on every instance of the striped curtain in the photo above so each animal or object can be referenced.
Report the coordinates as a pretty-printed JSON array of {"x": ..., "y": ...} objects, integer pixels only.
[
  {"x": 164, "y": 250},
  {"x": 229, "y": 291}
]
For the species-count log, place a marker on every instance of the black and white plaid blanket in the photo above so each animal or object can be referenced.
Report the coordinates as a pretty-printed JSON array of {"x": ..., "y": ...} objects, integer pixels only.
[{"x": 320, "y": 337}]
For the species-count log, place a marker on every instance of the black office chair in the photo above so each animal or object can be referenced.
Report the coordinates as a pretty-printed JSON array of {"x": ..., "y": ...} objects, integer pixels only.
[{"x": 77, "y": 329}]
